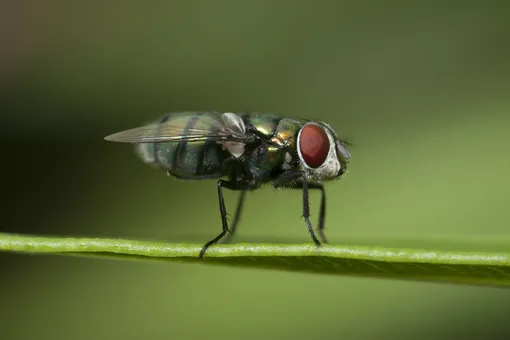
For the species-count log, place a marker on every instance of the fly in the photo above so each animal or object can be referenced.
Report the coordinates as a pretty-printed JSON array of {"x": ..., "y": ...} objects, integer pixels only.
[{"x": 243, "y": 151}]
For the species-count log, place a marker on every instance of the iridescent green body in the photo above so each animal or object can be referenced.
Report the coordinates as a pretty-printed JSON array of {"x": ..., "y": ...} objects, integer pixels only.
[
  {"x": 266, "y": 162},
  {"x": 208, "y": 159},
  {"x": 248, "y": 149}
]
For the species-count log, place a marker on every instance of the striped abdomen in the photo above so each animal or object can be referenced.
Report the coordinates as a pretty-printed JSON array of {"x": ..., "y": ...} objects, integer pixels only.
[{"x": 184, "y": 159}]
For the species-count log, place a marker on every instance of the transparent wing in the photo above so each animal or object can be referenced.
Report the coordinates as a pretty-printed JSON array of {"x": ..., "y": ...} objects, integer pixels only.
[
  {"x": 165, "y": 132},
  {"x": 185, "y": 127}
]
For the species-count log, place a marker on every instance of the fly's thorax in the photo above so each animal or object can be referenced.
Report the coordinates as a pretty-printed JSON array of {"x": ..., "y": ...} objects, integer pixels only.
[
  {"x": 321, "y": 154},
  {"x": 265, "y": 158},
  {"x": 285, "y": 141},
  {"x": 266, "y": 123}
]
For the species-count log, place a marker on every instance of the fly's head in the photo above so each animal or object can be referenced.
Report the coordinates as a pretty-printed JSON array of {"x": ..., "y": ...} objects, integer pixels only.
[{"x": 322, "y": 155}]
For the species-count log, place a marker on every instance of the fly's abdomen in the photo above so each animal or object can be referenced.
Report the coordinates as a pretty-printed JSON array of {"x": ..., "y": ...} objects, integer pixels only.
[{"x": 185, "y": 159}]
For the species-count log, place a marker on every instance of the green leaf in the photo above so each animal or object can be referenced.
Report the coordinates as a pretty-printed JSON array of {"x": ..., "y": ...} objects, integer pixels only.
[{"x": 458, "y": 267}]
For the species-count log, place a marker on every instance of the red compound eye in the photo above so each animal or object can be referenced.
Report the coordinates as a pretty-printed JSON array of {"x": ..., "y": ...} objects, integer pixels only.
[{"x": 314, "y": 145}]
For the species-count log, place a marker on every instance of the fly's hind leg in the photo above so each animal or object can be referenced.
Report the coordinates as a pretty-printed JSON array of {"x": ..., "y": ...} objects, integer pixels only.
[{"x": 232, "y": 186}]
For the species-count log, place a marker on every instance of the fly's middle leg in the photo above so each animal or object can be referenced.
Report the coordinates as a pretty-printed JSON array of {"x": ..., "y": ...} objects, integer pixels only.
[
  {"x": 237, "y": 216},
  {"x": 241, "y": 175},
  {"x": 223, "y": 212}
]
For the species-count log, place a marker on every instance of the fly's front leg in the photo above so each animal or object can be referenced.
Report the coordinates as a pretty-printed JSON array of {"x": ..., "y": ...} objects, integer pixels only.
[
  {"x": 232, "y": 186},
  {"x": 306, "y": 212},
  {"x": 322, "y": 212},
  {"x": 322, "y": 209},
  {"x": 287, "y": 180}
]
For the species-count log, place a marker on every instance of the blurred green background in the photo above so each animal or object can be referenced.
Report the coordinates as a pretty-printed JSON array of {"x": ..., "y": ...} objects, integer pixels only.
[{"x": 420, "y": 89}]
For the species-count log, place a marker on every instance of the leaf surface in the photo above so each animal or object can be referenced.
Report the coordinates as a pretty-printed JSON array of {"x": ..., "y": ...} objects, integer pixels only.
[{"x": 456, "y": 267}]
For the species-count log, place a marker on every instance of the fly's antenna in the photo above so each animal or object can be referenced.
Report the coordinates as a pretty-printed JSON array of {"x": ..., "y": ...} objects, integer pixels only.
[{"x": 347, "y": 141}]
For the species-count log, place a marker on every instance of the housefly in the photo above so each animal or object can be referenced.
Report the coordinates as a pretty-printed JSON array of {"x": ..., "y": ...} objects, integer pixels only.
[{"x": 243, "y": 151}]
